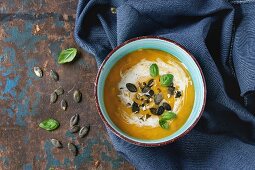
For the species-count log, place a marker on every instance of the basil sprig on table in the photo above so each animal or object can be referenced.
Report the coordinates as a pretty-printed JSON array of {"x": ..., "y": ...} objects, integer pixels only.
[
  {"x": 154, "y": 71},
  {"x": 49, "y": 124},
  {"x": 166, "y": 80},
  {"x": 67, "y": 55},
  {"x": 165, "y": 117}
]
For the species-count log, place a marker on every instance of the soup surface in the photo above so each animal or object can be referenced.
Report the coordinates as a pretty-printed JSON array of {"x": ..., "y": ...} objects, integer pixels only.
[{"x": 149, "y": 102}]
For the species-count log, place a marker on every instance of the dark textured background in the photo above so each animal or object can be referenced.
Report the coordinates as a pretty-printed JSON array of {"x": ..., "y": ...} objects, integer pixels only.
[{"x": 32, "y": 33}]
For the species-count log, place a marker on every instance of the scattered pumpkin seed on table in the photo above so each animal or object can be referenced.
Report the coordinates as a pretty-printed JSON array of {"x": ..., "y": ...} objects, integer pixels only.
[
  {"x": 54, "y": 75},
  {"x": 38, "y": 72},
  {"x": 74, "y": 120},
  {"x": 63, "y": 104},
  {"x": 53, "y": 97},
  {"x": 77, "y": 96},
  {"x": 72, "y": 148},
  {"x": 59, "y": 91},
  {"x": 84, "y": 131},
  {"x": 56, "y": 143}
]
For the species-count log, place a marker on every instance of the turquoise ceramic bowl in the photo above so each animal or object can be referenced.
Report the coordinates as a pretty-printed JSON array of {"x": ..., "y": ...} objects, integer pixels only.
[{"x": 168, "y": 46}]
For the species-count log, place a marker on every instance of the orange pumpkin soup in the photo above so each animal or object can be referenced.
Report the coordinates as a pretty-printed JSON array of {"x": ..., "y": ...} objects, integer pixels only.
[{"x": 149, "y": 94}]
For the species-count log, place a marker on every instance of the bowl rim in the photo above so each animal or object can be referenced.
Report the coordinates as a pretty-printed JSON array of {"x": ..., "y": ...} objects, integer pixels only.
[{"x": 118, "y": 133}]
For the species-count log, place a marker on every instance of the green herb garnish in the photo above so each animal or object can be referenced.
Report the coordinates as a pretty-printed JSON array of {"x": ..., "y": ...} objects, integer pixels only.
[
  {"x": 49, "y": 124},
  {"x": 67, "y": 55},
  {"x": 166, "y": 80},
  {"x": 165, "y": 117},
  {"x": 154, "y": 71}
]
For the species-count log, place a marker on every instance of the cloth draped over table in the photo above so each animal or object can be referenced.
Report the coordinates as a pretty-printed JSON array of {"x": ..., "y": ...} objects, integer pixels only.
[{"x": 221, "y": 36}]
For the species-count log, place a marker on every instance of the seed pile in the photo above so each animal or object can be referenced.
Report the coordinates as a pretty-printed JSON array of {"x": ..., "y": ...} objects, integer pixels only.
[
  {"x": 52, "y": 124},
  {"x": 153, "y": 100}
]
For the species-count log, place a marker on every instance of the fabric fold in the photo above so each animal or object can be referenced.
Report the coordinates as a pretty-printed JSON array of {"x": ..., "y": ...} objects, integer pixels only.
[{"x": 221, "y": 36}]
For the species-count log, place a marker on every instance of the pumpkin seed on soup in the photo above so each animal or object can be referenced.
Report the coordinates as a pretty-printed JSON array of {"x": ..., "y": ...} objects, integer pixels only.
[
  {"x": 166, "y": 106},
  {"x": 158, "y": 98},
  {"x": 150, "y": 83},
  {"x": 135, "y": 107},
  {"x": 171, "y": 90},
  {"x": 147, "y": 116},
  {"x": 131, "y": 87},
  {"x": 146, "y": 89},
  {"x": 153, "y": 111},
  {"x": 151, "y": 92},
  {"x": 160, "y": 110},
  {"x": 178, "y": 94}
]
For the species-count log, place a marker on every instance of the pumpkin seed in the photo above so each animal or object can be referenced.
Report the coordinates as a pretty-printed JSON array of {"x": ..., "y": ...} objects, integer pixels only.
[
  {"x": 166, "y": 106},
  {"x": 171, "y": 90},
  {"x": 59, "y": 91},
  {"x": 74, "y": 120},
  {"x": 53, "y": 97},
  {"x": 54, "y": 75},
  {"x": 151, "y": 92},
  {"x": 151, "y": 83},
  {"x": 131, "y": 87},
  {"x": 63, "y": 104},
  {"x": 160, "y": 110},
  {"x": 158, "y": 98},
  {"x": 72, "y": 148},
  {"x": 153, "y": 111},
  {"x": 77, "y": 96},
  {"x": 135, "y": 107},
  {"x": 147, "y": 116},
  {"x": 83, "y": 131},
  {"x": 38, "y": 72},
  {"x": 56, "y": 143},
  {"x": 146, "y": 89},
  {"x": 178, "y": 94},
  {"x": 74, "y": 128}
]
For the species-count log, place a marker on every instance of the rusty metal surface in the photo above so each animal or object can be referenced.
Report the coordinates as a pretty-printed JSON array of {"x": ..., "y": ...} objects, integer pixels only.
[{"x": 32, "y": 33}]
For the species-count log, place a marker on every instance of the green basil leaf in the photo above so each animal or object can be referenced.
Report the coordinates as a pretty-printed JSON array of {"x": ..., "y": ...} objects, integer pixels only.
[
  {"x": 167, "y": 115},
  {"x": 163, "y": 123},
  {"x": 67, "y": 55},
  {"x": 166, "y": 79},
  {"x": 49, "y": 124},
  {"x": 164, "y": 119},
  {"x": 154, "y": 71}
]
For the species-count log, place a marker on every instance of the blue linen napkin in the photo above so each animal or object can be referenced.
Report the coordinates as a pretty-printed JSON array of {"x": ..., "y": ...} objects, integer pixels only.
[{"x": 221, "y": 35}]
